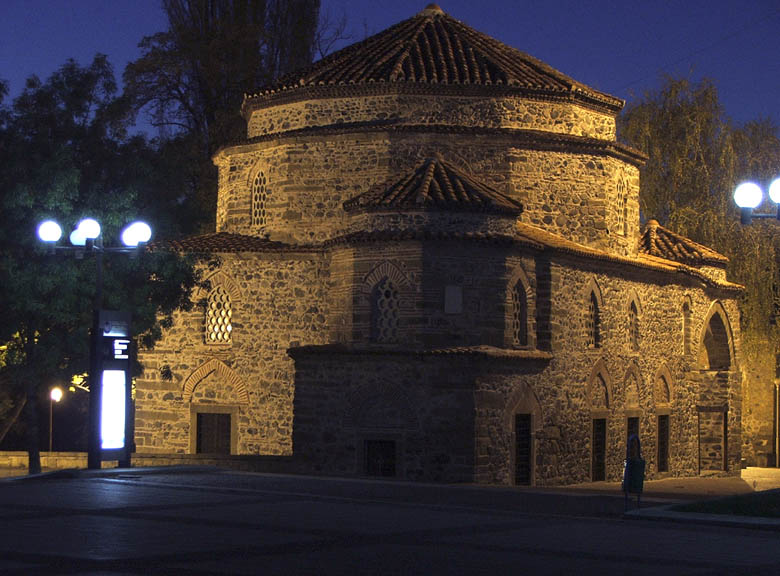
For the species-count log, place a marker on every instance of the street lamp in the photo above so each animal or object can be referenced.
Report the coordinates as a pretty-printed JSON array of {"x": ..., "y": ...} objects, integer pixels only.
[
  {"x": 109, "y": 365},
  {"x": 749, "y": 196},
  {"x": 55, "y": 395}
]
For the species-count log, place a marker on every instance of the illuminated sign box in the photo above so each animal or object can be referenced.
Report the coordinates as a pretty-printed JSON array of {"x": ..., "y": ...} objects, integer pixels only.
[{"x": 115, "y": 388}]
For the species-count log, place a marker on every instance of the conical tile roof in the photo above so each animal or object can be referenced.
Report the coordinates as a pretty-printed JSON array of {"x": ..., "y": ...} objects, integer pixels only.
[
  {"x": 434, "y": 48},
  {"x": 663, "y": 243},
  {"x": 435, "y": 185}
]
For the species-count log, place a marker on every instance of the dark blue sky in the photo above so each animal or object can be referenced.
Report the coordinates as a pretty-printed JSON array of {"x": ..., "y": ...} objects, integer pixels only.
[{"x": 619, "y": 47}]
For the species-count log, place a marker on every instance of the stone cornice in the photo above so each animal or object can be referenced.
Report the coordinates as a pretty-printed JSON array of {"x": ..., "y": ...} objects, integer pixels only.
[
  {"x": 294, "y": 94},
  {"x": 486, "y": 352},
  {"x": 518, "y": 137}
]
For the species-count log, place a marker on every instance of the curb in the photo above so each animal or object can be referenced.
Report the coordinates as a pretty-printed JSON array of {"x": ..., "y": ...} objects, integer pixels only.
[{"x": 666, "y": 514}]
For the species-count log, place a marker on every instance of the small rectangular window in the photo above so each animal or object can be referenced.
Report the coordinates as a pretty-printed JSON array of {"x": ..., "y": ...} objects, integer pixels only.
[
  {"x": 380, "y": 456},
  {"x": 453, "y": 300}
]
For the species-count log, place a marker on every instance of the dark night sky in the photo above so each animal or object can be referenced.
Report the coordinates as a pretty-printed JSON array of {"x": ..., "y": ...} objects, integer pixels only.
[{"x": 618, "y": 47}]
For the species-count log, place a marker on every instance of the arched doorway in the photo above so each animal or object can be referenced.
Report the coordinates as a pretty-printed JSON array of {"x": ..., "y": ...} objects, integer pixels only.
[{"x": 716, "y": 372}]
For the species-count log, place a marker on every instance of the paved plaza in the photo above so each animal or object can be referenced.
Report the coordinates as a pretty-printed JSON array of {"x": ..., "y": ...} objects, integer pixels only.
[{"x": 199, "y": 521}]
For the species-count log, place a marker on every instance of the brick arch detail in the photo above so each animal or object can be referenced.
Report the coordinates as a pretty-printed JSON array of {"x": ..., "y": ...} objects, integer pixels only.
[
  {"x": 600, "y": 369},
  {"x": 219, "y": 278},
  {"x": 663, "y": 374},
  {"x": 716, "y": 308},
  {"x": 523, "y": 400},
  {"x": 593, "y": 287},
  {"x": 519, "y": 276},
  {"x": 633, "y": 377},
  {"x": 385, "y": 269},
  {"x": 223, "y": 371},
  {"x": 634, "y": 297}
]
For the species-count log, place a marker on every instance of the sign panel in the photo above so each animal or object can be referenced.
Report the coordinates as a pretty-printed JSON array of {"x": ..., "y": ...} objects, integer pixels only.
[{"x": 115, "y": 404}]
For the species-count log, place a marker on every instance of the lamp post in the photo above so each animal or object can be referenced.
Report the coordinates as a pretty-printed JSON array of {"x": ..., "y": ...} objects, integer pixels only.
[
  {"x": 55, "y": 395},
  {"x": 748, "y": 196},
  {"x": 109, "y": 391}
]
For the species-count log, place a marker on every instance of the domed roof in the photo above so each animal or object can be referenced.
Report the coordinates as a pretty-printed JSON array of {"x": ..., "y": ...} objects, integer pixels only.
[{"x": 432, "y": 48}]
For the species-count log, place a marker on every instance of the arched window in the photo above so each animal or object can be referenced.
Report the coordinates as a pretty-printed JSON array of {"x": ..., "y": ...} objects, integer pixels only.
[
  {"x": 593, "y": 322},
  {"x": 219, "y": 317},
  {"x": 633, "y": 327},
  {"x": 686, "y": 332},
  {"x": 622, "y": 206},
  {"x": 519, "y": 315},
  {"x": 384, "y": 311},
  {"x": 259, "y": 200}
]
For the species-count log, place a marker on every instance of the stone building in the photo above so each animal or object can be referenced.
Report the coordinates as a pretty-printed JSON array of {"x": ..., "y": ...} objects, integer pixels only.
[{"x": 432, "y": 268}]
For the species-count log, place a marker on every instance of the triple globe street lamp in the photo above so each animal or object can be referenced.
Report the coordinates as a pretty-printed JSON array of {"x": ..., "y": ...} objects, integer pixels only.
[
  {"x": 110, "y": 422},
  {"x": 749, "y": 196}
]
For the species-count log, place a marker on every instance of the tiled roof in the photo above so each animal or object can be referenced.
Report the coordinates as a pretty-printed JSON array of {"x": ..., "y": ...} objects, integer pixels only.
[
  {"x": 432, "y": 48},
  {"x": 223, "y": 242},
  {"x": 663, "y": 243},
  {"x": 435, "y": 185}
]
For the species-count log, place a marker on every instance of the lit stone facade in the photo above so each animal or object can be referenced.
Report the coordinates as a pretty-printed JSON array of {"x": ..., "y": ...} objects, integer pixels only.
[{"x": 434, "y": 270}]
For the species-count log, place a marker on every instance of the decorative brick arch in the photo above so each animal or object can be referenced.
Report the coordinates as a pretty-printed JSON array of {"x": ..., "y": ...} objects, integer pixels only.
[
  {"x": 686, "y": 318},
  {"x": 223, "y": 371},
  {"x": 592, "y": 287},
  {"x": 219, "y": 278},
  {"x": 633, "y": 316},
  {"x": 520, "y": 278},
  {"x": 383, "y": 270},
  {"x": 716, "y": 341},
  {"x": 663, "y": 386},
  {"x": 592, "y": 315},
  {"x": 523, "y": 400},
  {"x": 600, "y": 387},
  {"x": 633, "y": 386}
]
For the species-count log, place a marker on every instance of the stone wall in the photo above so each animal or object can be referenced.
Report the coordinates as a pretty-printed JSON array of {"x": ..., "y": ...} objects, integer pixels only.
[
  {"x": 563, "y": 387},
  {"x": 574, "y": 195},
  {"x": 422, "y": 404},
  {"x": 278, "y": 302},
  {"x": 758, "y": 448},
  {"x": 497, "y": 112}
]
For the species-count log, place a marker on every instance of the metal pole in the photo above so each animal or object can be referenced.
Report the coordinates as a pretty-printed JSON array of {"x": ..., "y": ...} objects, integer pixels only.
[
  {"x": 51, "y": 404},
  {"x": 95, "y": 391}
]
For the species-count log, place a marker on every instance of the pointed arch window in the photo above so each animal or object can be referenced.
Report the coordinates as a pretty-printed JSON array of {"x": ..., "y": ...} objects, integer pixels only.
[
  {"x": 594, "y": 322},
  {"x": 519, "y": 315},
  {"x": 219, "y": 317},
  {"x": 259, "y": 200},
  {"x": 384, "y": 311},
  {"x": 622, "y": 205},
  {"x": 686, "y": 332},
  {"x": 633, "y": 327}
]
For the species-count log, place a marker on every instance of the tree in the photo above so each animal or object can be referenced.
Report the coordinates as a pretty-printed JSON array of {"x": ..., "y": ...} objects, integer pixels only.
[
  {"x": 193, "y": 77},
  {"x": 696, "y": 156},
  {"x": 66, "y": 154}
]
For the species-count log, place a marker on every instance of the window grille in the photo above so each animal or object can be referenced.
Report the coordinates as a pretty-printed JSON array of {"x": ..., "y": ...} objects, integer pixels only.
[
  {"x": 594, "y": 328},
  {"x": 633, "y": 327},
  {"x": 259, "y": 200},
  {"x": 384, "y": 312},
  {"x": 622, "y": 204},
  {"x": 686, "y": 313},
  {"x": 519, "y": 315},
  {"x": 219, "y": 317}
]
